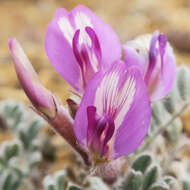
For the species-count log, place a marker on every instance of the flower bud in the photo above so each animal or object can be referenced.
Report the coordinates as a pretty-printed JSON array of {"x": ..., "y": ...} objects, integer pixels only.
[
  {"x": 44, "y": 101},
  {"x": 41, "y": 98}
]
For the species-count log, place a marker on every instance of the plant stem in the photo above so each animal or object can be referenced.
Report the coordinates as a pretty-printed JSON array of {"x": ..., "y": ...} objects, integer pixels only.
[{"x": 163, "y": 127}]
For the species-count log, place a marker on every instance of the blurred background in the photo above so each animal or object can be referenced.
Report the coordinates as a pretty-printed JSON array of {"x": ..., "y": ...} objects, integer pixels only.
[{"x": 27, "y": 21}]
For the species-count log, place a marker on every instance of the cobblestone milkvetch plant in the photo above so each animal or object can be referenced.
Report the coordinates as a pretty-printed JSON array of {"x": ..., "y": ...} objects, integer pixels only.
[
  {"x": 19, "y": 156},
  {"x": 114, "y": 114}
]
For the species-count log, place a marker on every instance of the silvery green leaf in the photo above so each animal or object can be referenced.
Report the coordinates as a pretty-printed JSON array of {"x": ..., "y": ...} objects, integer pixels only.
[
  {"x": 183, "y": 81},
  {"x": 153, "y": 127},
  {"x": 169, "y": 180},
  {"x": 17, "y": 170},
  {"x": 28, "y": 135},
  {"x": 56, "y": 182},
  {"x": 174, "y": 131},
  {"x": 151, "y": 177},
  {"x": 173, "y": 100},
  {"x": 72, "y": 186},
  {"x": 13, "y": 113},
  {"x": 7, "y": 182},
  {"x": 11, "y": 151},
  {"x": 133, "y": 181},
  {"x": 60, "y": 180},
  {"x": 24, "y": 139},
  {"x": 50, "y": 187},
  {"x": 169, "y": 103},
  {"x": 49, "y": 183},
  {"x": 160, "y": 186},
  {"x": 157, "y": 113},
  {"x": 33, "y": 129},
  {"x": 15, "y": 162},
  {"x": 186, "y": 184},
  {"x": 97, "y": 184},
  {"x": 142, "y": 162},
  {"x": 8, "y": 151},
  {"x": 2, "y": 161},
  {"x": 10, "y": 182},
  {"x": 35, "y": 157}
]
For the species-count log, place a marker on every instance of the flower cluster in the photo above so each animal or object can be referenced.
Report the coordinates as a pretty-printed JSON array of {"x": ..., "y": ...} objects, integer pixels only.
[{"x": 114, "y": 114}]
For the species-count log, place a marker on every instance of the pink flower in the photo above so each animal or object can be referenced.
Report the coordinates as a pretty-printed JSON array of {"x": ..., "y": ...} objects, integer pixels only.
[
  {"x": 155, "y": 57},
  {"x": 114, "y": 114},
  {"x": 78, "y": 44}
]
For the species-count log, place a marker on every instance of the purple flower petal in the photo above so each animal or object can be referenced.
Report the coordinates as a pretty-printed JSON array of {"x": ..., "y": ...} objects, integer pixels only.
[
  {"x": 153, "y": 54},
  {"x": 95, "y": 43},
  {"x": 168, "y": 75},
  {"x": 99, "y": 132},
  {"x": 88, "y": 58},
  {"x": 161, "y": 72},
  {"x": 121, "y": 95},
  {"x": 60, "y": 53},
  {"x": 162, "y": 47},
  {"x": 157, "y": 62},
  {"x": 91, "y": 115},
  {"x": 59, "y": 36},
  {"x": 132, "y": 58}
]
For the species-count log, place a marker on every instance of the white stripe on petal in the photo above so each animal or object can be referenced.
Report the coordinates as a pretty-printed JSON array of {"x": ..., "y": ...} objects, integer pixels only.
[
  {"x": 126, "y": 98},
  {"x": 113, "y": 99},
  {"x": 102, "y": 100},
  {"x": 66, "y": 28},
  {"x": 81, "y": 22},
  {"x": 94, "y": 62}
]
